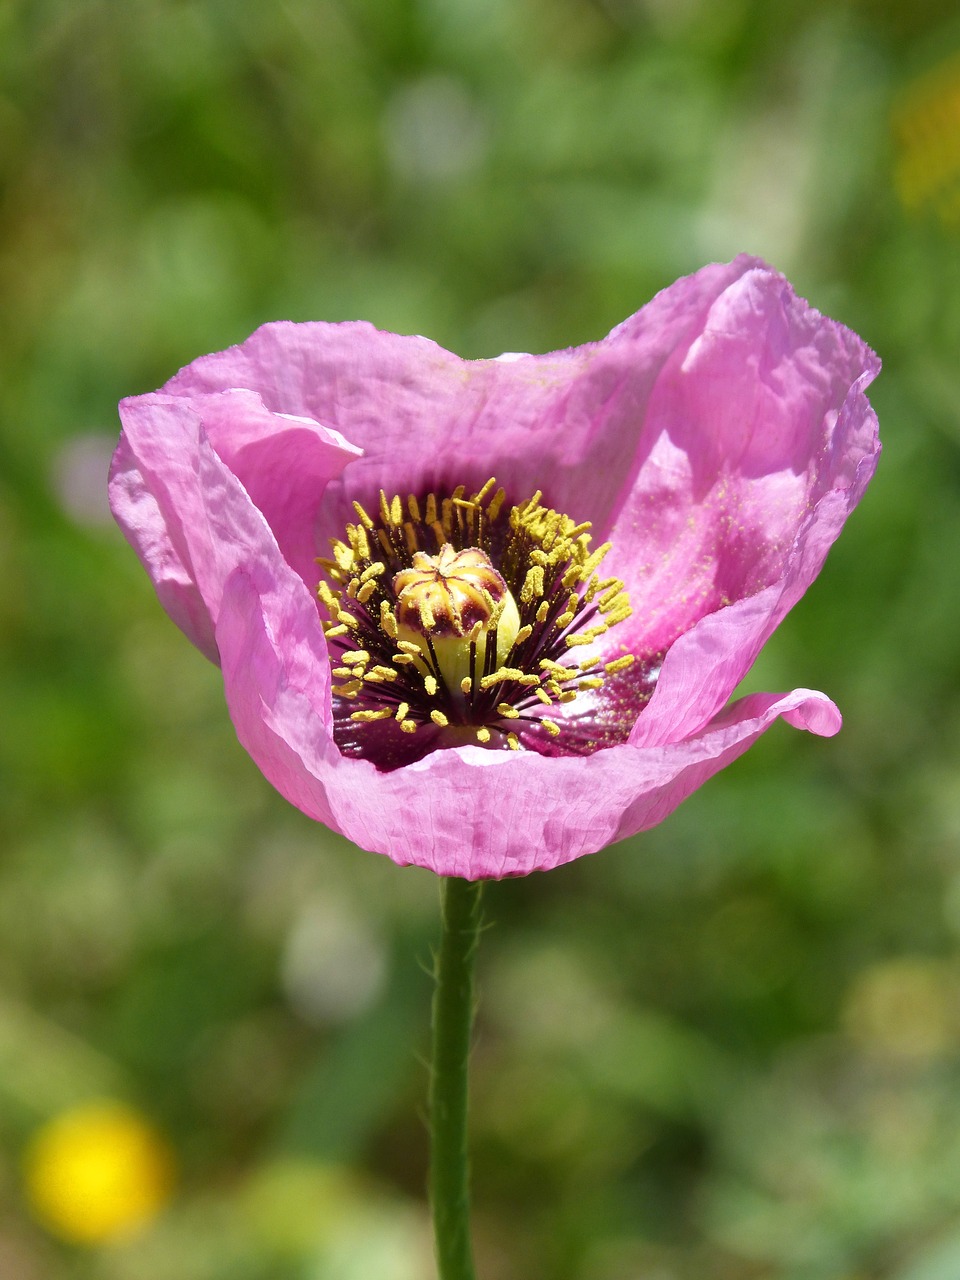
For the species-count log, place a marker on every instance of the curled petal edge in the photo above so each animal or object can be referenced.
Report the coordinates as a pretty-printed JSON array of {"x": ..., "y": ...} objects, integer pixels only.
[{"x": 465, "y": 811}]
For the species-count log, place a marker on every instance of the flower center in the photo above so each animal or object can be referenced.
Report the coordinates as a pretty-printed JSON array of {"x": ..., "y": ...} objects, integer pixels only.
[
  {"x": 454, "y": 619},
  {"x": 458, "y": 599}
]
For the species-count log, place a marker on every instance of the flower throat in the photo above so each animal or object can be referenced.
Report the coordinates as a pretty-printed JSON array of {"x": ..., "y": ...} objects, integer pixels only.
[{"x": 456, "y": 620}]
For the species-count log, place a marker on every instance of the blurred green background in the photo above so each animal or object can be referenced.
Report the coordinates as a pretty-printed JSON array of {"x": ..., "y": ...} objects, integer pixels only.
[{"x": 727, "y": 1050}]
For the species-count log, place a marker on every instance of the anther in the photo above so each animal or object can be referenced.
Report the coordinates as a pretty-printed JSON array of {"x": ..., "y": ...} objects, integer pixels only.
[
  {"x": 532, "y": 588},
  {"x": 362, "y": 516},
  {"x": 496, "y": 502},
  {"x": 388, "y": 621},
  {"x": 619, "y": 664},
  {"x": 377, "y": 675},
  {"x": 349, "y": 690}
]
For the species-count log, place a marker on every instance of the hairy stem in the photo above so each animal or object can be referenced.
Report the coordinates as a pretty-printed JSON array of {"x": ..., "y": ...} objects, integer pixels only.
[{"x": 453, "y": 1004}]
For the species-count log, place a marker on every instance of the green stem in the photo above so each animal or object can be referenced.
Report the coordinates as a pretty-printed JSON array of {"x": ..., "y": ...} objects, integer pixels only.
[{"x": 452, "y": 1022}]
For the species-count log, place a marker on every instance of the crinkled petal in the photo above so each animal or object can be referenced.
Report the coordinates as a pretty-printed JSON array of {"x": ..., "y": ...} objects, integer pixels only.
[
  {"x": 705, "y": 665},
  {"x": 761, "y": 443},
  {"x": 197, "y": 485},
  {"x": 568, "y": 423},
  {"x": 465, "y": 812},
  {"x": 142, "y": 518},
  {"x": 285, "y": 464}
]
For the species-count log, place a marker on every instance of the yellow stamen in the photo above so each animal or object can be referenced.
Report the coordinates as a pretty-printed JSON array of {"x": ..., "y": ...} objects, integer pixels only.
[
  {"x": 347, "y": 690},
  {"x": 343, "y": 555},
  {"x": 496, "y": 502},
  {"x": 608, "y": 597},
  {"x": 586, "y": 637},
  {"x": 532, "y": 587},
  {"x": 591, "y": 563},
  {"x": 362, "y": 516},
  {"x": 361, "y": 543},
  {"x": 379, "y": 675},
  {"x": 556, "y": 669},
  {"x": 388, "y": 621},
  {"x": 439, "y": 719},
  {"x": 498, "y": 677},
  {"x": 620, "y": 664},
  {"x": 619, "y": 614}
]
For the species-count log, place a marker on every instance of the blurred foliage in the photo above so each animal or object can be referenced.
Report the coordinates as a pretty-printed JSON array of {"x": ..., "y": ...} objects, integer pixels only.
[{"x": 727, "y": 1050}]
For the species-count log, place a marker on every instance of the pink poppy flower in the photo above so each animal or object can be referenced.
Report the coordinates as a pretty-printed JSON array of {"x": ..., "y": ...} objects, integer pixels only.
[{"x": 472, "y": 690}]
